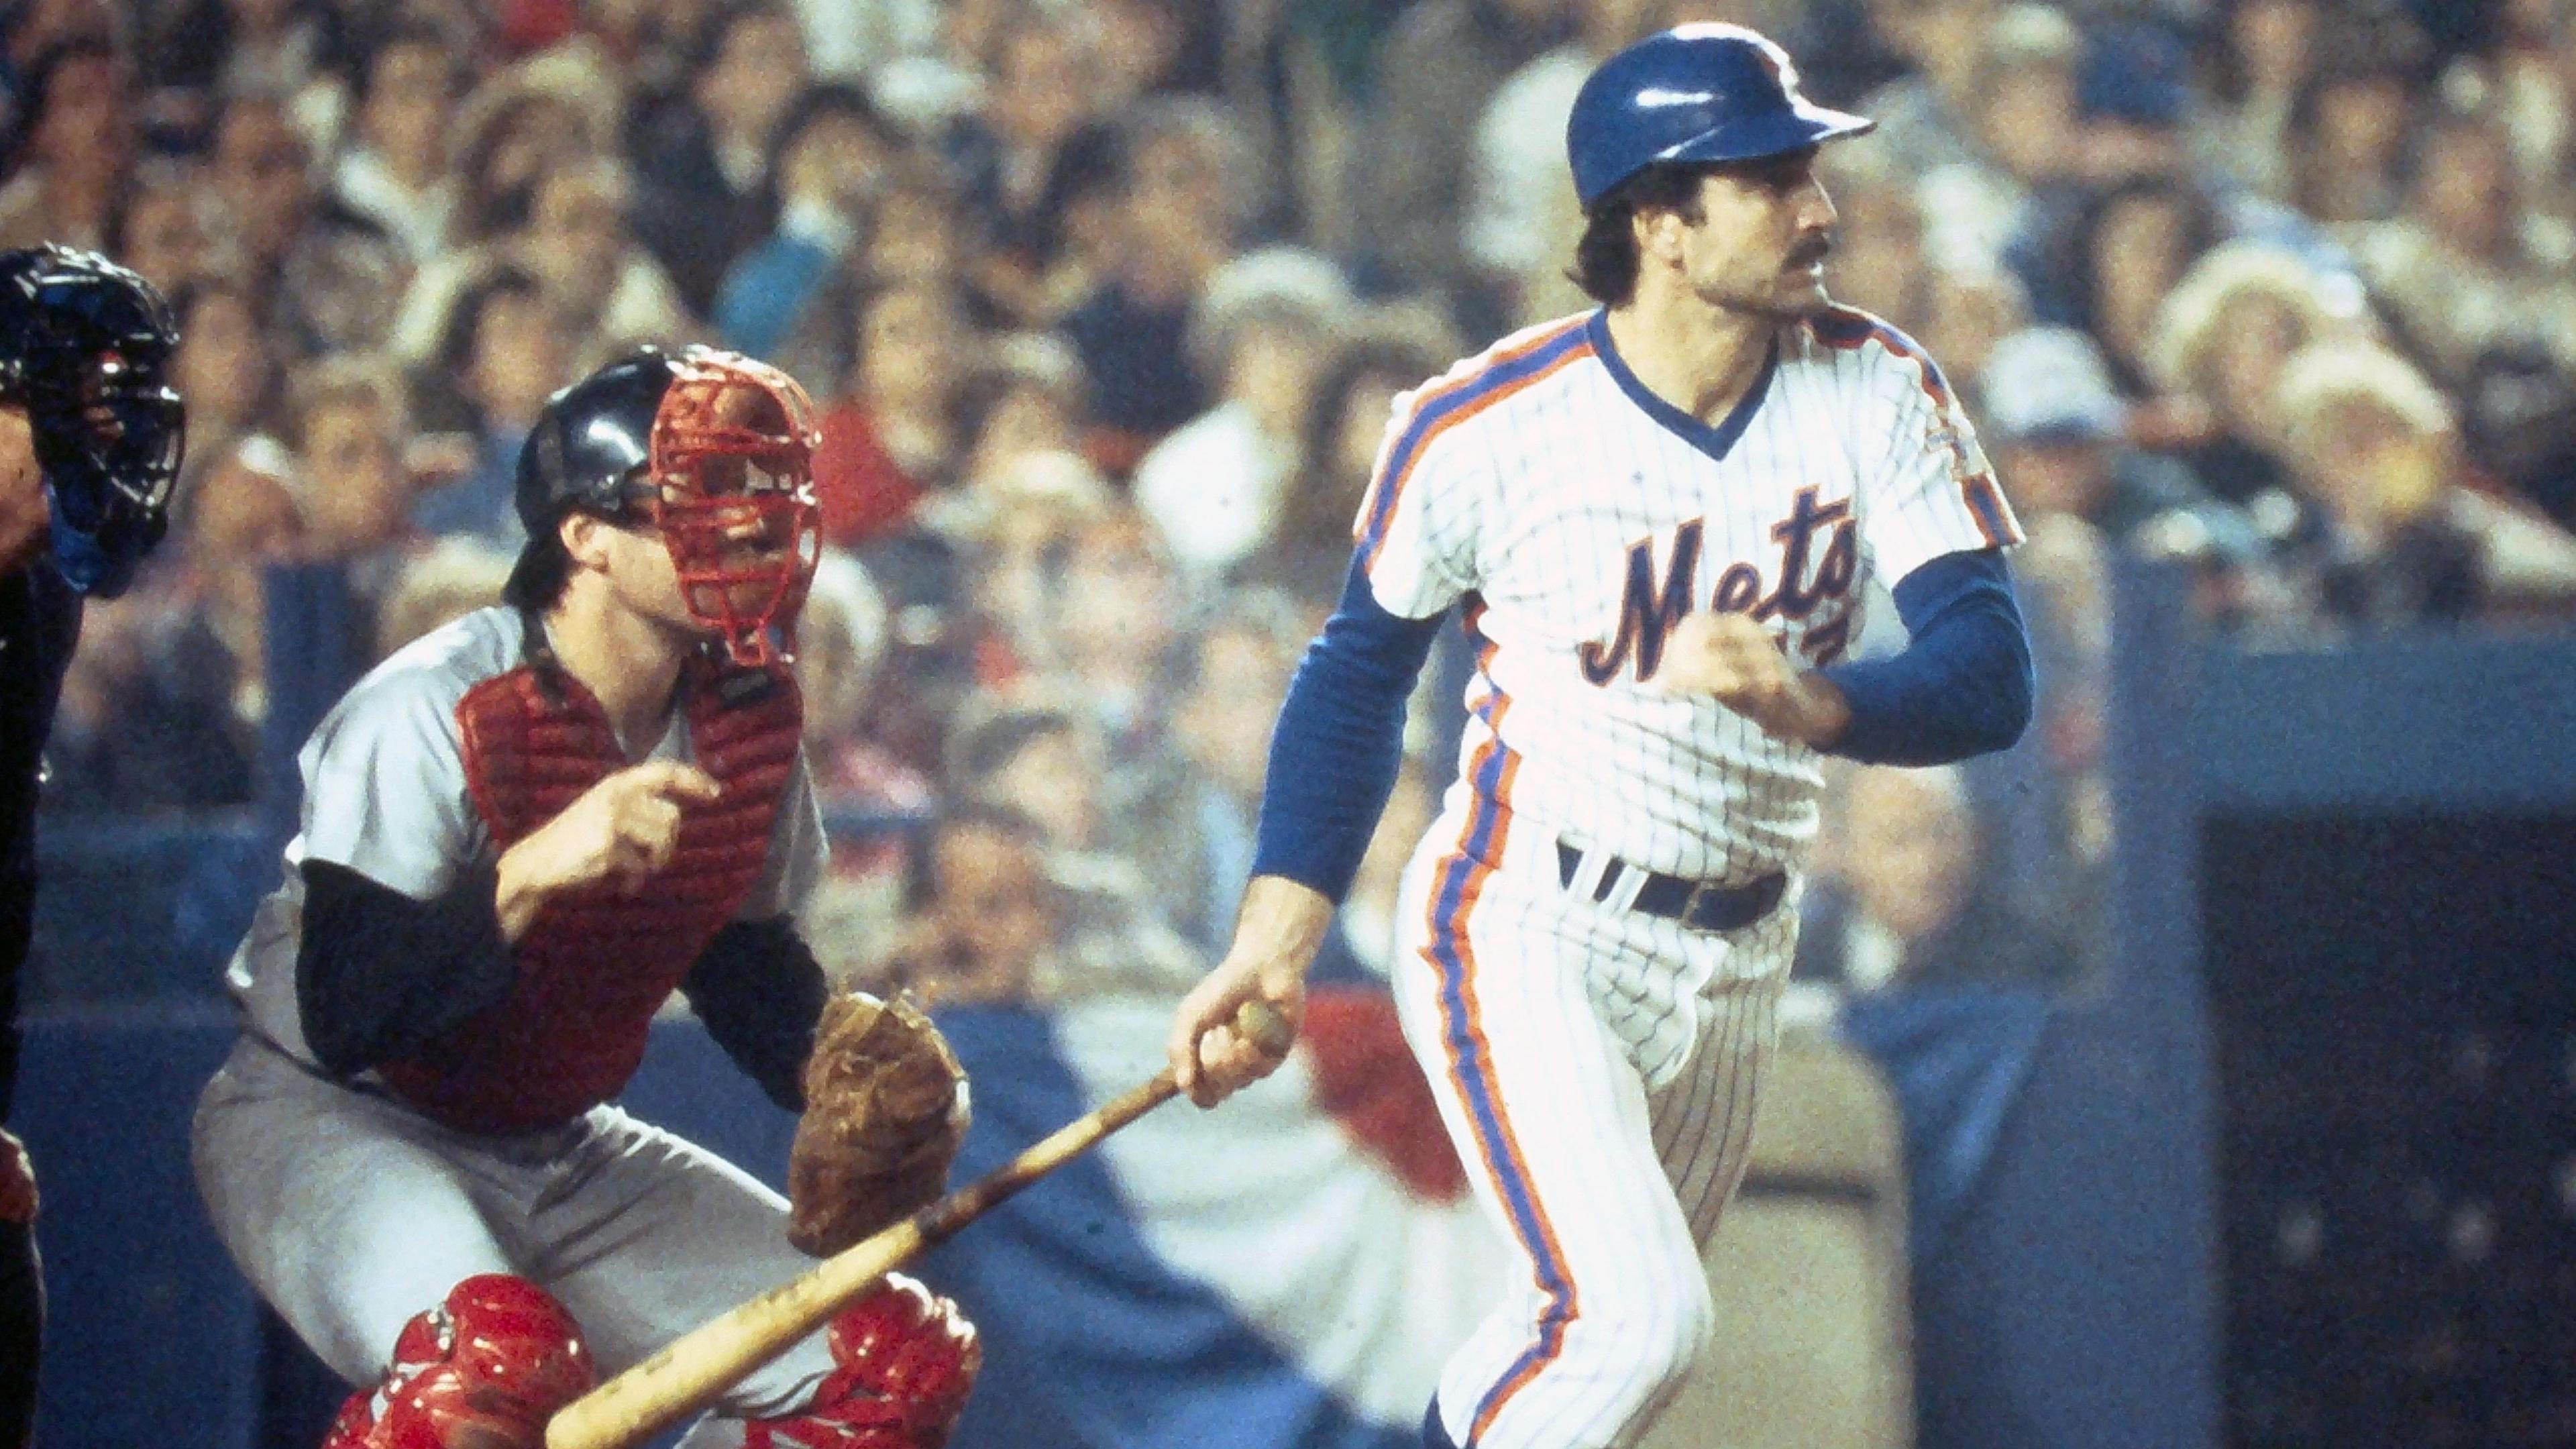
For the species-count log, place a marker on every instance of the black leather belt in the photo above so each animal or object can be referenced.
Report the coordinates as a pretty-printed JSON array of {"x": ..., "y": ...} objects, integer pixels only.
[{"x": 1695, "y": 904}]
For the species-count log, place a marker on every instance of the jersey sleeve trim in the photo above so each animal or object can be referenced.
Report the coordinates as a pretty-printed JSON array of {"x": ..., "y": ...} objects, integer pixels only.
[
  {"x": 1848, "y": 329},
  {"x": 1508, "y": 370},
  {"x": 1986, "y": 505}
]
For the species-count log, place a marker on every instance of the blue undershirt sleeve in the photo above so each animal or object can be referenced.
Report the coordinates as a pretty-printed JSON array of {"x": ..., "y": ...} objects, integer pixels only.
[
  {"x": 1962, "y": 686},
  {"x": 1340, "y": 741}
]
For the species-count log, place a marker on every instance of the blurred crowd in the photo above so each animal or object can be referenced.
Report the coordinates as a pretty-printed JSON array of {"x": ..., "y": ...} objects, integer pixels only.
[{"x": 1106, "y": 303}]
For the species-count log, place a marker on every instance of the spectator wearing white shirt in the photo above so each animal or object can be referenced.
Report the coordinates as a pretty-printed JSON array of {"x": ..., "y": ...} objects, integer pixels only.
[
  {"x": 1267, "y": 325},
  {"x": 399, "y": 175},
  {"x": 1521, "y": 213}
]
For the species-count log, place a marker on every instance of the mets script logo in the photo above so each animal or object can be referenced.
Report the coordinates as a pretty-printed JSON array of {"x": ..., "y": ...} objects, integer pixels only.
[{"x": 1650, "y": 605}]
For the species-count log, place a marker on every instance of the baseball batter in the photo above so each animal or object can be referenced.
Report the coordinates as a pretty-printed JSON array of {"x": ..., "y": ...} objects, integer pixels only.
[
  {"x": 1655, "y": 522},
  {"x": 520, "y": 835}
]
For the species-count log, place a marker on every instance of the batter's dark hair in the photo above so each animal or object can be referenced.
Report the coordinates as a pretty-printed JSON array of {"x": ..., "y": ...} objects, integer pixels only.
[{"x": 1606, "y": 260}]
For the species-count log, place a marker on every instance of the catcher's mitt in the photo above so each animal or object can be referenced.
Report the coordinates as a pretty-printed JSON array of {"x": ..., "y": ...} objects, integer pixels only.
[{"x": 885, "y": 1111}]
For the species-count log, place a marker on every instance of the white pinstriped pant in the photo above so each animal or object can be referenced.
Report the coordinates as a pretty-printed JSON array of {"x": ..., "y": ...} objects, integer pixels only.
[{"x": 1603, "y": 1154}]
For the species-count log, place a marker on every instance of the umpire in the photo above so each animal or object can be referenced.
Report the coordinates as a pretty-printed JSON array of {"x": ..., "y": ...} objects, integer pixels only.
[{"x": 90, "y": 441}]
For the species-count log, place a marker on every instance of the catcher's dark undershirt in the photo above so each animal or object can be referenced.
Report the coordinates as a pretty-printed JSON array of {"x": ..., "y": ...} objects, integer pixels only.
[{"x": 379, "y": 976}]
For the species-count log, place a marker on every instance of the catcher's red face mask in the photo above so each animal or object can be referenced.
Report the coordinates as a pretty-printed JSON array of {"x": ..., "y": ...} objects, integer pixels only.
[{"x": 732, "y": 492}]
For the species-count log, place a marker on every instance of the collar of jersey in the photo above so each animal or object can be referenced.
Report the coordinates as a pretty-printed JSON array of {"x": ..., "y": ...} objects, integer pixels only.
[{"x": 1714, "y": 441}]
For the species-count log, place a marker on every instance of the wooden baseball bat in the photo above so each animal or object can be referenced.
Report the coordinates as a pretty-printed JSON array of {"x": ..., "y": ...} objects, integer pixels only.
[{"x": 693, "y": 1369}]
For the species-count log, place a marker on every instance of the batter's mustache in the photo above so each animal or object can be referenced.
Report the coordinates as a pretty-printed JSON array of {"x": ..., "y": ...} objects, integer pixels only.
[{"x": 1815, "y": 249}]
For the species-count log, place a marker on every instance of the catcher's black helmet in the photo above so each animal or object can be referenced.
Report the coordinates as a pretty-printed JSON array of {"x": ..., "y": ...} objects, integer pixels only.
[
  {"x": 711, "y": 450},
  {"x": 84, "y": 347},
  {"x": 593, "y": 445}
]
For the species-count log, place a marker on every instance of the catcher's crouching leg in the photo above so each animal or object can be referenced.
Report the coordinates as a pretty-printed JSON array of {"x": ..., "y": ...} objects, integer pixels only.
[
  {"x": 904, "y": 1361},
  {"x": 483, "y": 1370}
]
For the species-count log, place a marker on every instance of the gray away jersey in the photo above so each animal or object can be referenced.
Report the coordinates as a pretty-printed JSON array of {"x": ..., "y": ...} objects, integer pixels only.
[{"x": 385, "y": 796}]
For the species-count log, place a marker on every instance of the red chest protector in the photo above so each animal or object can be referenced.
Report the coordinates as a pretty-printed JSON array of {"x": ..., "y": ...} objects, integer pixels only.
[{"x": 596, "y": 963}]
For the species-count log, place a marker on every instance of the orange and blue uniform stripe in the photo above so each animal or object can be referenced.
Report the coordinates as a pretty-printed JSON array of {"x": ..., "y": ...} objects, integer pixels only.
[
  {"x": 1511, "y": 369},
  {"x": 1846, "y": 328},
  {"x": 1461, "y": 881}
]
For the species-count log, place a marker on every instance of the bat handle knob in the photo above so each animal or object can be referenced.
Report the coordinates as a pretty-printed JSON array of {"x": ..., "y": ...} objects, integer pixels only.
[{"x": 1262, "y": 1024}]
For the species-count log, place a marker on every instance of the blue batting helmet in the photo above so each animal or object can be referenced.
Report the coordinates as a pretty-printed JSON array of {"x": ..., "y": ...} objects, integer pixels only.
[
  {"x": 85, "y": 346},
  {"x": 1693, "y": 94}
]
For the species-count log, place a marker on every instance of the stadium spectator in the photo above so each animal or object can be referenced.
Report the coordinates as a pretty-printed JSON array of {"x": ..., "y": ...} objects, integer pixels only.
[
  {"x": 2533, "y": 72},
  {"x": 79, "y": 149},
  {"x": 2349, "y": 125},
  {"x": 2056, "y": 428},
  {"x": 985, "y": 918},
  {"x": 228, "y": 371},
  {"x": 348, "y": 422},
  {"x": 1910, "y": 909},
  {"x": 1045, "y": 86},
  {"x": 2259, "y": 61},
  {"x": 604, "y": 288},
  {"x": 890, "y": 435},
  {"x": 1039, "y": 761},
  {"x": 1190, "y": 820},
  {"x": 2133, "y": 97},
  {"x": 1926, "y": 116},
  {"x": 2375, "y": 445},
  {"x": 2221, "y": 338},
  {"x": 1265, "y": 328},
  {"x": 169, "y": 231},
  {"x": 1121, "y": 613},
  {"x": 547, "y": 111},
  {"x": 1437, "y": 70},
  {"x": 840, "y": 641},
  {"x": 787, "y": 299},
  {"x": 2128, "y": 247},
  {"x": 703, "y": 157},
  {"x": 397, "y": 175},
  {"x": 503, "y": 355},
  {"x": 330, "y": 278},
  {"x": 2467, "y": 266},
  {"x": 1176, "y": 226},
  {"x": 2026, "y": 142}
]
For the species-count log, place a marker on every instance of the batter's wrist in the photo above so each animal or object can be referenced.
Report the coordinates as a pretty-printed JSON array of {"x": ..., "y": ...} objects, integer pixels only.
[
  {"x": 1824, "y": 713},
  {"x": 1285, "y": 921}
]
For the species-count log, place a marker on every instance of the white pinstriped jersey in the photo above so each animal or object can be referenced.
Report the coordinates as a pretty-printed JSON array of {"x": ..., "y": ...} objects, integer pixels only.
[{"x": 1577, "y": 517}]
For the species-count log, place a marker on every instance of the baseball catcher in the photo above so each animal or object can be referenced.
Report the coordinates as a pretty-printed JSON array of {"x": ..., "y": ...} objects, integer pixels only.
[
  {"x": 520, "y": 835},
  {"x": 90, "y": 439}
]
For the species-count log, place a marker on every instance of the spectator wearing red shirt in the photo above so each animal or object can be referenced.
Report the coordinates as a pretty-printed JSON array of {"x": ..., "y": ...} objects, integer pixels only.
[{"x": 890, "y": 436}]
